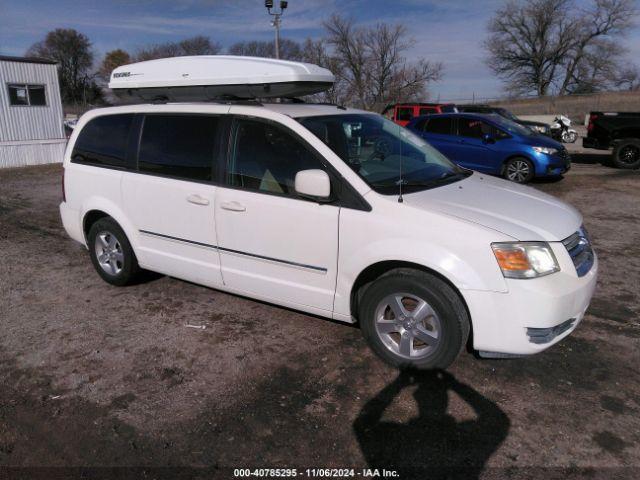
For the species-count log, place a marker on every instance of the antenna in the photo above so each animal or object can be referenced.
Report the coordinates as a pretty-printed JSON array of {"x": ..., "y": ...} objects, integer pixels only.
[{"x": 400, "y": 200}]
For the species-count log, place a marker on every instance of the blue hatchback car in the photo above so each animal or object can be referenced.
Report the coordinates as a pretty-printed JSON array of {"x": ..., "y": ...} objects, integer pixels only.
[{"x": 493, "y": 144}]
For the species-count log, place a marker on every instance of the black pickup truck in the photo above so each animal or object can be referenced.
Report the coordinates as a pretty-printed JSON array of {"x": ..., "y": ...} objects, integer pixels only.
[{"x": 617, "y": 130}]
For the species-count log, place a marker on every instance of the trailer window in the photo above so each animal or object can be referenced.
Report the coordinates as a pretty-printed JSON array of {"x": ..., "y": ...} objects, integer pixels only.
[{"x": 27, "y": 95}]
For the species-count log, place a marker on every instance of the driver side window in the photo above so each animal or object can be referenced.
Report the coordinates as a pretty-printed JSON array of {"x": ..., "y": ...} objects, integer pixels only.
[
  {"x": 266, "y": 158},
  {"x": 474, "y": 128}
]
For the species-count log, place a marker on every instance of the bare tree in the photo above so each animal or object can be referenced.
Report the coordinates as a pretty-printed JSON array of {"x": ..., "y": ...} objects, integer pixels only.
[
  {"x": 528, "y": 43},
  {"x": 540, "y": 45},
  {"x": 628, "y": 79},
  {"x": 372, "y": 65},
  {"x": 72, "y": 50},
  {"x": 289, "y": 49},
  {"x": 598, "y": 68},
  {"x": 198, "y": 45},
  {"x": 315, "y": 51},
  {"x": 592, "y": 50}
]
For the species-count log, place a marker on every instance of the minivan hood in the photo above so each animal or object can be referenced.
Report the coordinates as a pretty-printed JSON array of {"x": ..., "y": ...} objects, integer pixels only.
[{"x": 520, "y": 212}]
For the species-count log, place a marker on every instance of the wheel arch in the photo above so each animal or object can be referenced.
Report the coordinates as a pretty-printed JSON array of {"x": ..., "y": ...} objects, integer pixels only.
[
  {"x": 99, "y": 207},
  {"x": 91, "y": 217},
  {"x": 379, "y": 269}
]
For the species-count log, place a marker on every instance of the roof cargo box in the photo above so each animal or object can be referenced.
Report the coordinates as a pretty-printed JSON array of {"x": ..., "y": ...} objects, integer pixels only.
[{"x": 211, "y": 77}]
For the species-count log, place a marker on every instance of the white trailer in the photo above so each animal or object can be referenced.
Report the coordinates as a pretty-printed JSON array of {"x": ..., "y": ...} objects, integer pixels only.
[{"x": 31, "y": 118}]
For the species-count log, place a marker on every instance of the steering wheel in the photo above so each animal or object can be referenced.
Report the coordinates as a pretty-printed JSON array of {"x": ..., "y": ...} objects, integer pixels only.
[{"x": 381, "y": 148}]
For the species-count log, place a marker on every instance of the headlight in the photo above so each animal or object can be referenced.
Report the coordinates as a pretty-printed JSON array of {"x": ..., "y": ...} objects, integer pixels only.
[
  {"x": 547, "y": 150},
  {"x": 525, "y": 259}
]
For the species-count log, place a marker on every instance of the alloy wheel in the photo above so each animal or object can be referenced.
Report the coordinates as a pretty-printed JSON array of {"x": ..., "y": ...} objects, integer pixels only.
[
  {"x": 518, "y": 171},
  {"x": 109, "y": 253},
  {"x": 408, "y": 326},
  {"x": 629, "y": 154}
]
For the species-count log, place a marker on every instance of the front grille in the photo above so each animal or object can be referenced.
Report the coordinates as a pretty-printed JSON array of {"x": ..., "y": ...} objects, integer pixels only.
[
  {"x": 545, "y": 335},
  {"x": 580, "y": 251},
  {"x": 564, "y": 156}
]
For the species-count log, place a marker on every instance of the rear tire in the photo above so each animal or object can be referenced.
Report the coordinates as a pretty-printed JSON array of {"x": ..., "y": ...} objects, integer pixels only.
[
  {"x": 412, "y": 319},
  {"x": 111, "y": 253},
  {"x": 518, "y": 170},
  {"x": 626, "y": 154}
]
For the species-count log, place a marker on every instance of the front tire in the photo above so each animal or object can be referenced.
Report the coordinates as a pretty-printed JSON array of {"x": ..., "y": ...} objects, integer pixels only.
[
  {"x": 111, "y": 253},
  {"x": 413, "y": 319},
  {"x": 518, "y": 170},
  {"x": 626, "y": 154}
]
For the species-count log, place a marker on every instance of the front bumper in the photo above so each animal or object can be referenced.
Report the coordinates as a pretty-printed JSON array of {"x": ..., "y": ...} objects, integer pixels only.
[
  {"x": 534, "y": 314},
  {"x": 552, "y": 165},
  {"x": 555, "y": 169}
]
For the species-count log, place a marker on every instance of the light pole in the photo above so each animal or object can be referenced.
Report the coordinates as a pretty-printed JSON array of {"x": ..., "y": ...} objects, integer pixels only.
[{"x": 276, "y": 20}]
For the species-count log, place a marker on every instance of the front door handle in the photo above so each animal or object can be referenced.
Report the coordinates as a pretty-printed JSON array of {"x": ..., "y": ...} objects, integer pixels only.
[
  {"x": 233, "y": 206},
  {"x": 197, "y": 199}
]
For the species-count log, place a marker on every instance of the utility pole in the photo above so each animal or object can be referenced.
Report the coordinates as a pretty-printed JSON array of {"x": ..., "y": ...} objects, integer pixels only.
[{"x": 276, "y": 20}]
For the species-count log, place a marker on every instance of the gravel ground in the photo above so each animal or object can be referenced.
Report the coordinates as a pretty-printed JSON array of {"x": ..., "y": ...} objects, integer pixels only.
[{"x": 104, "y": 377}]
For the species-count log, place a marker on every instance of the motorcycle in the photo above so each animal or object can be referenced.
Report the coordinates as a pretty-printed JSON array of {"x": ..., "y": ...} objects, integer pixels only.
[{"x": 561, "y": 130}]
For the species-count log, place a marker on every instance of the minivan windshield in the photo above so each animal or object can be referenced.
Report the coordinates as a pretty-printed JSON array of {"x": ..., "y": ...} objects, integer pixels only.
[{"x": 384, "y": 154}]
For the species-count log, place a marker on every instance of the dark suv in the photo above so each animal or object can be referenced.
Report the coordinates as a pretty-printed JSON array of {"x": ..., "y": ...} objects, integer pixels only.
[{"x": 537, "y": 127}]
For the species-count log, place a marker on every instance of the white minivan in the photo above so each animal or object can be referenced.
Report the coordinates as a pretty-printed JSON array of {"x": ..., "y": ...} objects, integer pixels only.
[{"x": 333, "y": 211}]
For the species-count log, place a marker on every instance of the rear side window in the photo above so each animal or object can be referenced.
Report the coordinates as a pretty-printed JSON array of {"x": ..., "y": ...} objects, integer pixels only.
[
  {"x": 405, "y": 113},
  {"x": 103, "y": 141},
  {"x": 179, "y": 146},
  {"x": 427, "y": 110},
  {"x": 439, "y": 125}
]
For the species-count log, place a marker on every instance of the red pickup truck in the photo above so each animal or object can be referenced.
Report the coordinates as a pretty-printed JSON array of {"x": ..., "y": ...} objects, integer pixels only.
[{"x": 401, "y": 113}]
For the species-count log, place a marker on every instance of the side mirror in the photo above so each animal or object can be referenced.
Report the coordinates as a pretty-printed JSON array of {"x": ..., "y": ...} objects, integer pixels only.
[
  {"x": 488, "y": 138},
  {"x": 313, "y": 184}
]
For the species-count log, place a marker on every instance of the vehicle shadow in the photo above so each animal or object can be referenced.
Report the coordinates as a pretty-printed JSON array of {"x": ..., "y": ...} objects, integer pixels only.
[
  {"x": 592, "y": 159},
  {"x": 433, "y": 444}
]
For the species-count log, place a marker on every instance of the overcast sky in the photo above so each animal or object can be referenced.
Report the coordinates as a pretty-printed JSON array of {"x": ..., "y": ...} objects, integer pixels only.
[{"x": 448, "y": 31}]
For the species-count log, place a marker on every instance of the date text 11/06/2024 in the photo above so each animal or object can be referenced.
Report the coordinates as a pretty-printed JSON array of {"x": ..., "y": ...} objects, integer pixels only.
[{"x": 315, "y": 473}]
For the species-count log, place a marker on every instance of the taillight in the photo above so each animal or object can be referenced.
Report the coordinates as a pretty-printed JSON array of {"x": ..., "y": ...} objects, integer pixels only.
[
  {"x": 64, "y": 195},
  {"x": 592, "y": 118}
]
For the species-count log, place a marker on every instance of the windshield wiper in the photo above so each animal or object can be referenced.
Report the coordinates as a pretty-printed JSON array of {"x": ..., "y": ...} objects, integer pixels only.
[{"x": 445, "y": 178}]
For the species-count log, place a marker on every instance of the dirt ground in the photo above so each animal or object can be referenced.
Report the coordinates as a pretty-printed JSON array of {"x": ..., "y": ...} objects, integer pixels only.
[{"x": 99, "y": 382}]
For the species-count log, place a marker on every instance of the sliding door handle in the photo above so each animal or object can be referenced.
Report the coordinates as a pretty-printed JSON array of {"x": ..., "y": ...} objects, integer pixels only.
[
  {"x": 233, "y": 206},
  {"x": 197, "y": 199}
]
